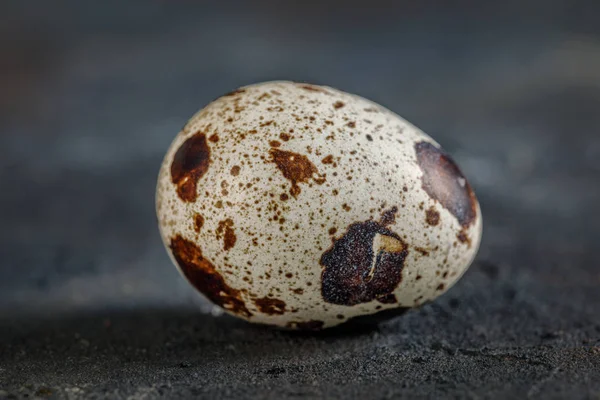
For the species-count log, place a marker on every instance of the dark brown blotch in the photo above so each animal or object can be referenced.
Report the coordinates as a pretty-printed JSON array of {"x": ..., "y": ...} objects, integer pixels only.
[
  {"x": 363, "y": 265},
  {"x": 444, "y": 182},
  {"x": 270, "y": 306},
  {"x": 295, "y": 167},
  {"x": 225, "y": 231},
  {"x": 190, "y": 163},
  {"x": 432, "y": 216},
  {"x": 204, "y": 276},
  {"x": 338, "y": 104},
  {"x": 389, "y": 217},
  {"x": 235, "y": 170},
  {"x": 463, "y": 237},
  {"x": 214, "y": 138},
  {"x": 388, "y": 299}
]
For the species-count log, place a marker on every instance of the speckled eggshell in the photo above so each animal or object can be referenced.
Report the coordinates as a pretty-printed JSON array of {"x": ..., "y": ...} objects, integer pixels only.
[{"x": 303, "y": 206}]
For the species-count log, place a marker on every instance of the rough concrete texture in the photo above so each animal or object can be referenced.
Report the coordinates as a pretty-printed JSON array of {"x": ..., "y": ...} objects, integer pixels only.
[{"x": 92, "y": 95}]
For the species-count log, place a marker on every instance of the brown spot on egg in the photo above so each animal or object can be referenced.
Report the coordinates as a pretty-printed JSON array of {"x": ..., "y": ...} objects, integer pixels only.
[
  {"x": 190, "y": 163},
  {"x": 327, "y": 160},
  {"x": 225, "y": 231},
  {"x": 332, "y": 231},
  {"x": 312, "y": 88},
  {"x": 295, "y": 167},
  {"x": 235, "y": 170},
  {"x": 275, "y": 143},
  {"x": 365, "y": 264},
  {"x": 264, "y": 96},
  {"x": 422, "y": 250},
  {"x": 440, "y": 287},
  {"x": 270, "y": 306},
  {"x": 284, "y": 136},
  {"x": 198, "y": 222},
  {"x": 432, "y": 216},
  {"x": 204, "y": 276},
  {"x": 444, "y": 182},
  {"x": 351, "y": 124},
  {"x": 338, "y": 104},
  {"x": 463, "y": 237},
  {"x": 389, "y": 217},
  {"x": 214, "y": 138},
  {"x": 312, "y": 325},
  {"x": 233, "y": 93}
]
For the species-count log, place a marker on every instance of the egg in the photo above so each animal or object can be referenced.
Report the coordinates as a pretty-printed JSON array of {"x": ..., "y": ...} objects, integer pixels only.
[{"x": 304, "y": 207}]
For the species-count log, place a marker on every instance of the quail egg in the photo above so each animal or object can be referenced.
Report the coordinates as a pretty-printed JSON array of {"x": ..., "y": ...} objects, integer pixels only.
[{"x": 304, "y": 207}]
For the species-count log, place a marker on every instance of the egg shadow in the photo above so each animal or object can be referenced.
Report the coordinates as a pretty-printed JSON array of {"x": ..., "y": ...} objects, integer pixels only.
[
  {"x": 164, "y": 335},
  {"x": 354, "y": 327}
]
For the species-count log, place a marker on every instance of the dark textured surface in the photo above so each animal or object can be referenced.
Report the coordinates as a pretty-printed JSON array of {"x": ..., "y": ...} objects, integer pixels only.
[{"x": 93, "y": 93}]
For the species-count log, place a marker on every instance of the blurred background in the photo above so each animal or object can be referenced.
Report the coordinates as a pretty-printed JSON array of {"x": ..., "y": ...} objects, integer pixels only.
[{"x": 92, "y": 93}]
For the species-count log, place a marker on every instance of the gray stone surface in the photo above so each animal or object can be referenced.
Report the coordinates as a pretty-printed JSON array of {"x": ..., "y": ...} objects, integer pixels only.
[{"x": 92, "y": 94}]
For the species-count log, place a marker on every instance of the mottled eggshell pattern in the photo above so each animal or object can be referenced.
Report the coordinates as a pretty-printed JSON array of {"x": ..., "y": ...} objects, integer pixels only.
[{"x": 304, "y": 207}]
